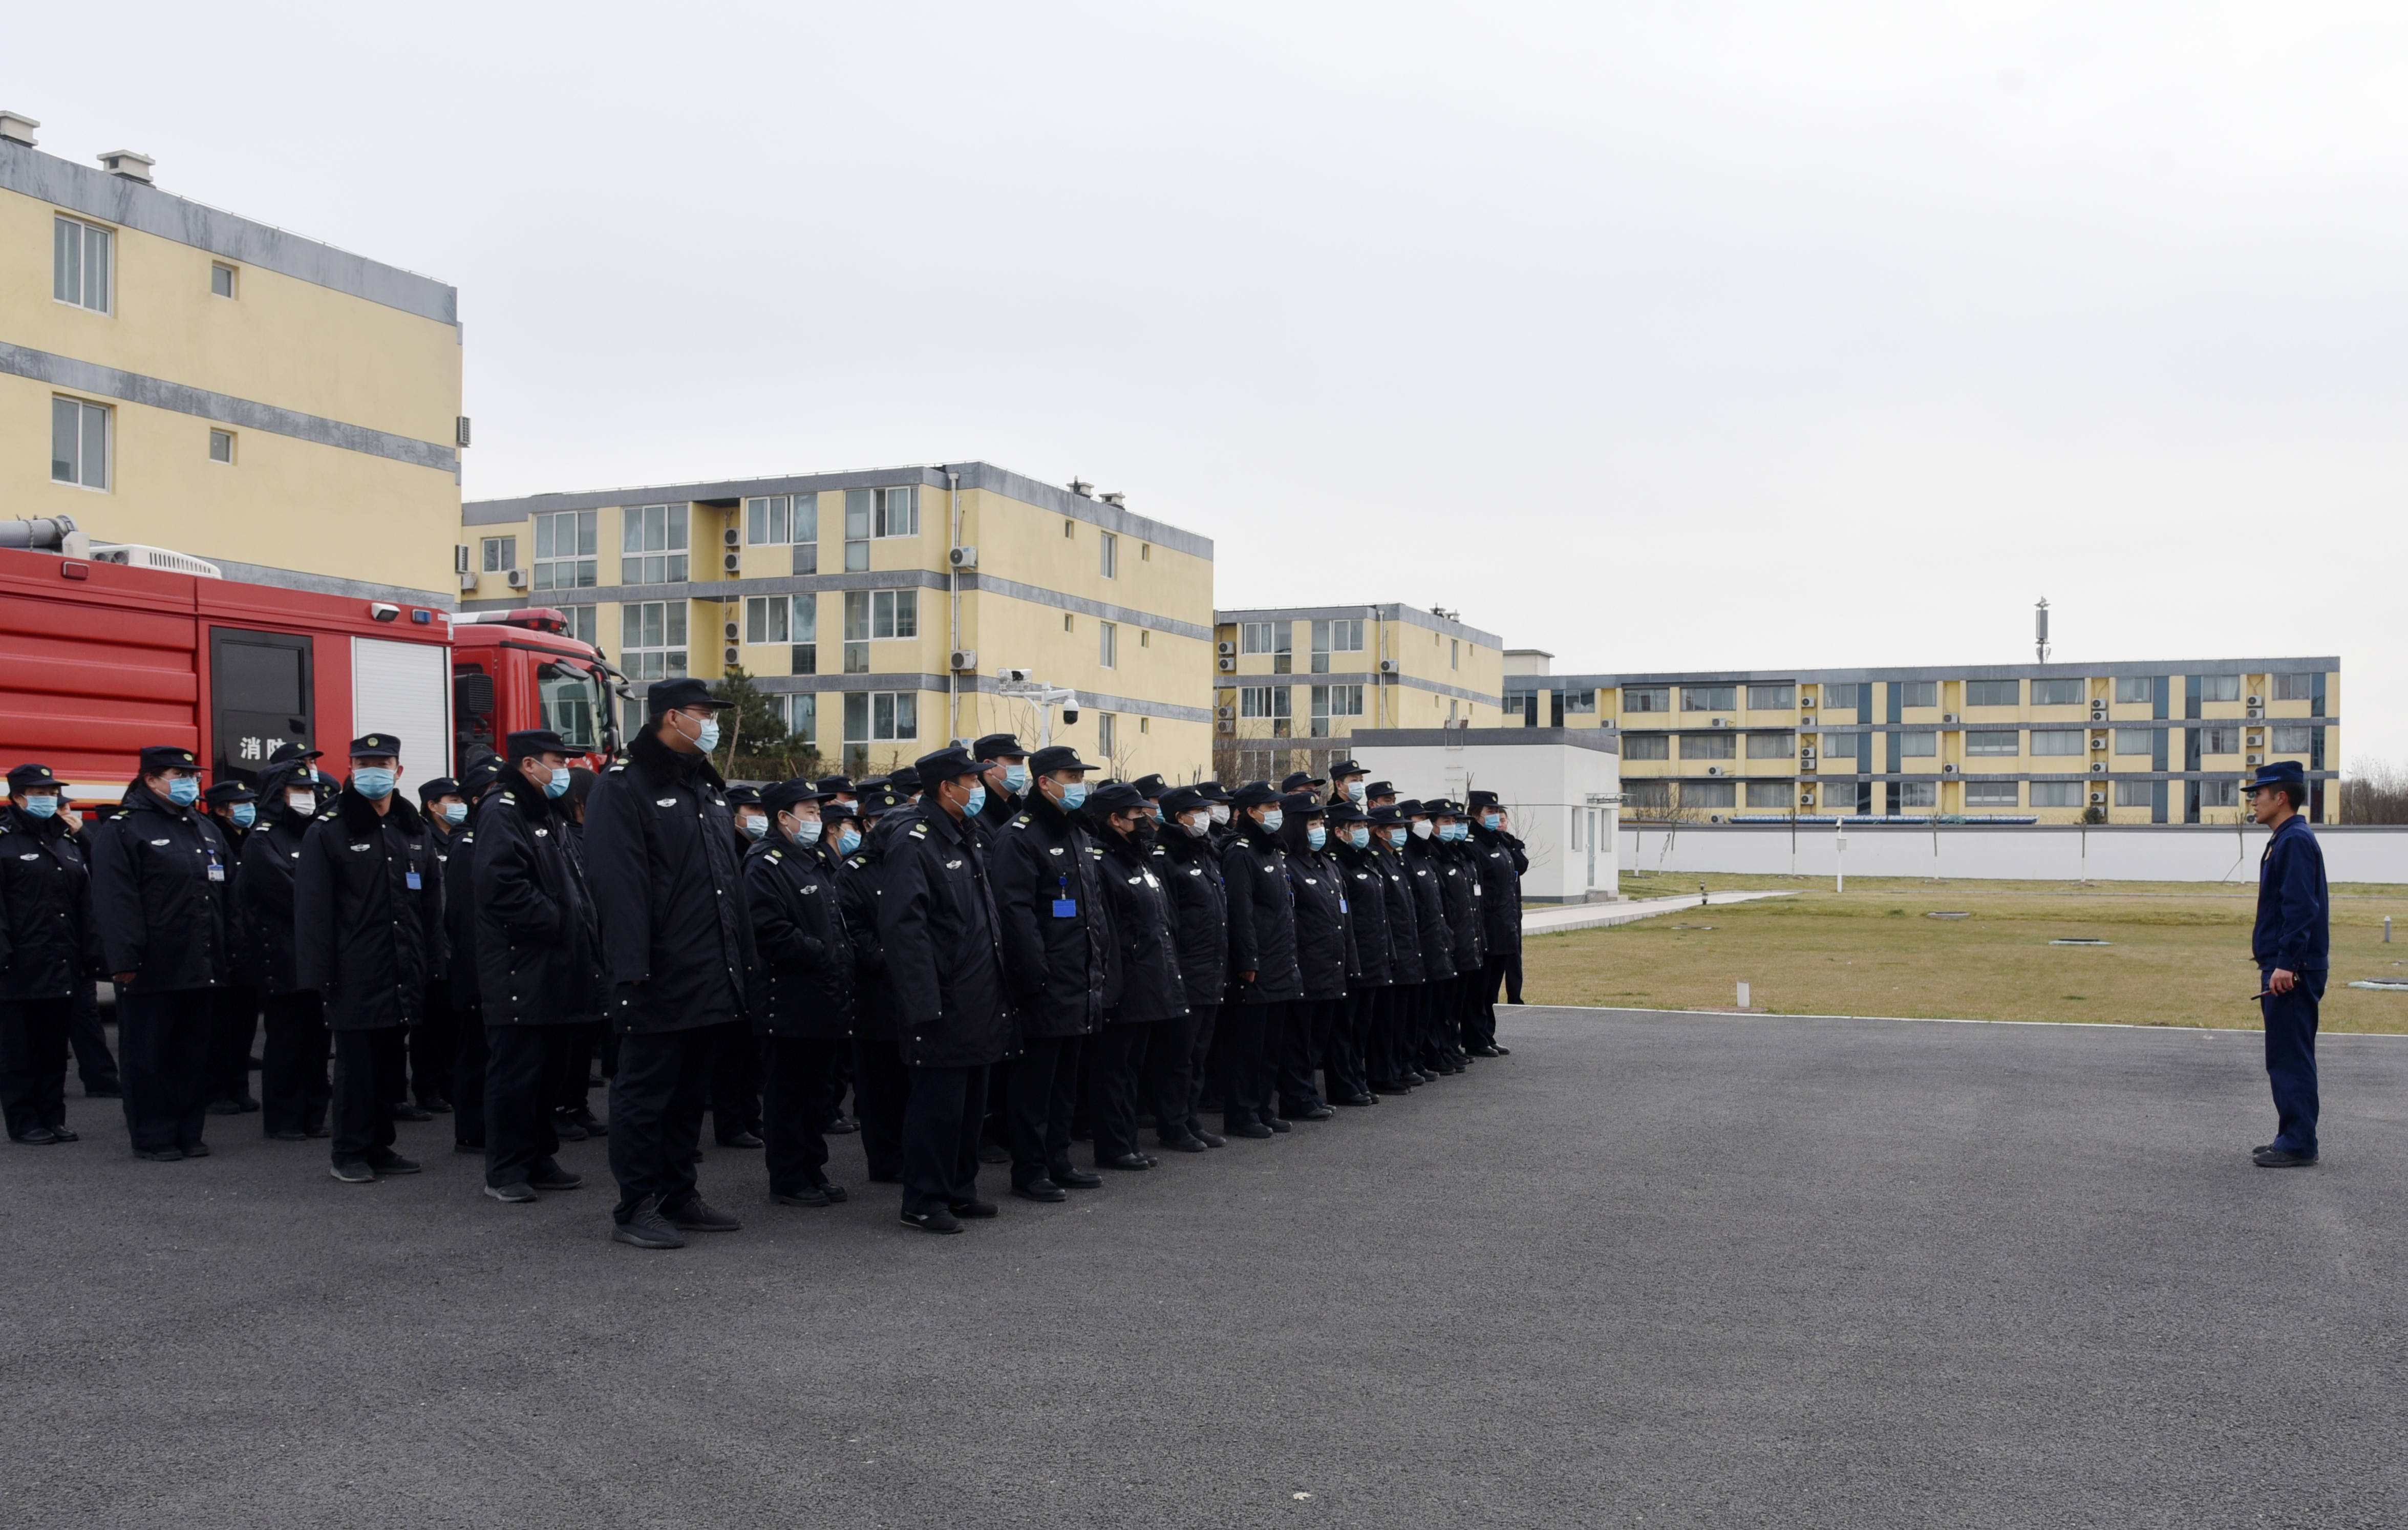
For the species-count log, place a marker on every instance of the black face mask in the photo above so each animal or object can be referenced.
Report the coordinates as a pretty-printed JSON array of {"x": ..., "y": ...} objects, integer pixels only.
[{"x": 1143, "y": 832}]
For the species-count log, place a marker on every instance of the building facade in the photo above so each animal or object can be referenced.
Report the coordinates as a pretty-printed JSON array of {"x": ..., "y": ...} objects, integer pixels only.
[
  {"x": 177, "y": 376},
  {"x": 2117, "y": 743},
  {"x": 879, "y": 610},
  {"x": 1293, "y": 684}
]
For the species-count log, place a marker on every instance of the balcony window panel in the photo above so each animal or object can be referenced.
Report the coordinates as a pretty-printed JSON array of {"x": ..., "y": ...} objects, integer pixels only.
[
  {"x": 2291, "y": 738},
  {"x": 653, "y": 544},
  {"x": 1708, "y": 746},
  {"x": 2219, "y": 740},
  {"x": 1774, "y": 794},
  {"x": 1918, "y": 693},
  {"x": 1772, "y": 746},
  {"x": 1993, "y": 693},
  {"x": 856, "y": 632},
  {"x": 2136, "y": 741},
  {"x": 1254, "y": 638},
  {"x": 1111, "y": 560},
  {"x": 897, "y": 511},
  {"x": 2295, "y": 687},
  {"x": 1992, "y": 743},
  {"x": 80, "y": 264},
  {"x": 1646, "y": 746},
  {"x": 565, "y": 550},
  {"x": 1771, "y": 699},
  {"x": 1321, "y": 648},
  {"x": 1647, "y": 699},
  {"x": 2135, "y": 689},
  {"x": 2219, "y": 688},
  {"x": 2135, "y": 793},
  {"x": 2055, "y": 794},
  {"x": 1709, "y": 698},
  {"x": 1918, "y": 745},
  {"x": 2058, "y": 694},
  {"x": 860, "y": 515},
  {"x": 78, "y": 443},
  {"x": 1108, "y": 643},
  {"x": 2051, "y": 741},
  {"x": 1990, "y": 794},
  {"x": 1709, "y": 794}
]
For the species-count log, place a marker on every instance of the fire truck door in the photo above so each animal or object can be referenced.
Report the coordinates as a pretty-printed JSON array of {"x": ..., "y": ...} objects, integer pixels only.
[
  {"x": 403, "y": 689},
  {"x": 259, "y": 697}
]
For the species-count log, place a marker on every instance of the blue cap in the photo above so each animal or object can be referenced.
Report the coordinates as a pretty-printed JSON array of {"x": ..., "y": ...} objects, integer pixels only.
[{"x": 2281, "y": 773}]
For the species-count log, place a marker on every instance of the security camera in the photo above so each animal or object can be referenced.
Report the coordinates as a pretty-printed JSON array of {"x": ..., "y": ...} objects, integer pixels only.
[
  {"x": 1070, "y": 711},
  {"x": 1017, "y": 676},
  {"x": 383, "y": 613}
]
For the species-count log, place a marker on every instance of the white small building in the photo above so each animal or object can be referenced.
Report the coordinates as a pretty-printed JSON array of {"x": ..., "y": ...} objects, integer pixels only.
[{"x": 1562, "y": 788}]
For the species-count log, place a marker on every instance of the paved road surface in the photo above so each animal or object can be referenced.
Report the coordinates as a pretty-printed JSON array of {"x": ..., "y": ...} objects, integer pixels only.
[{"x": 1652, "y": 1269}]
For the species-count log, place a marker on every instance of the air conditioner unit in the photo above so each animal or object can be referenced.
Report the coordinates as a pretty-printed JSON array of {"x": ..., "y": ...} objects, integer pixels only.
[
  {"x": 1224, "y": 713},
  {"x": 468, "y": 581},
  {"x": 2256, "y": 759},
  {"x": 1951, "y": 717},
  {"x": 963, "y": 557},
  {"x": 731, "y": 561},
  {"x": 460, "y": 559},
  {"x": 2098, "y": 768},
  {"x": 1713, "y": 771},
  {"x": 2099, "y": 799},
  {"x": 1228, "y": 666},
  {"x": 515, "y": 577},
  {"x": 1722, "y": 722},
  {"x": 1806, "y": 721},
  {"x": 962, "y": 658},
  {"x": 1388, "y": 667},
  {"x": 729, "y": 539},
  {"x": 2098, "y": 709},
  {"x": 1226, "y": 650},
  {"x": 1805, "y": 799},
  {"x": 2256, "y": 700},
  {"x": 1806, "y": 752},
  {"x": 1713, "y": 817},
  {"x": 730, "y": 656},
  {"x": 1225, "y": 725},
  {"x": 2098, "y": 743},
  {"x": 2257, "y": 741},
  {"x": 1948, "y": 770},
  {"x": 1808, "y": 764},
  {"x": 2256, "y": 712},
  {"x": 1807, "y": 702},
  {"x": 731, "y": 633}
]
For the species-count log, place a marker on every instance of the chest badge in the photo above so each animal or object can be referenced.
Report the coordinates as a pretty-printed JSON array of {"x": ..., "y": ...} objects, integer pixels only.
[{"x": 665, "y": 802}]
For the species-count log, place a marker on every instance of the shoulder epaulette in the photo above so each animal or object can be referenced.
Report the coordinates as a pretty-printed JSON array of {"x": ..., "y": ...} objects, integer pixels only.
[
  {"x": 919, "y": 830},
  {"x": 616, "y": 767},
  {"x": 1021, "y": 822},
  {"x": 773, "y": 857}
]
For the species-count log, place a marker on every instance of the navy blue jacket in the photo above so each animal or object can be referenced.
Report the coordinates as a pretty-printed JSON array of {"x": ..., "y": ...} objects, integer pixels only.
[
  {"x": 2294, "y": 911},
  {"x": 662, "y": 864},
  {"x": 1262, "y": 916},
  {"x": 159, "y": 895},
  {"x": 47, "y": 940},
  {"x": 938, "y": 929}
]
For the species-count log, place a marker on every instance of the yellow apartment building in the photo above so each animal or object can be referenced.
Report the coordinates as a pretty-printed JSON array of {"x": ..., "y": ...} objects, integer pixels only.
[
  {"x": 882, "y": 610},
  {"x": 174, "y": 375},
  {"x": 2118, "y": 743},
  {"x": 1293, "y": 684}
]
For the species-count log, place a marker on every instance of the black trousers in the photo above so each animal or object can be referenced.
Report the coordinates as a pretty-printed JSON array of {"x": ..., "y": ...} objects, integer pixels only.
[
  {"x": 367, "y": 1079},
  {"x": 95, "y": 1064},
  {"x": 996, "y": 1128},
  {"x": 293, "y": 1089},
  {"x": 469, "y": 1059},
  {"x": 434, "y": 1047},
  {"x": 799, "y": 1082},
  {"x": 1206, "y": 1039},
  {"x": 1415, "y": 1041},
  {"x": 1041, "y": 1096},
  {"x": 230, "y": 1037},
  {"x": 575, "y": 1075},
  {"x": 656, "y": 1100},
  {"x": 1380, "y": 1036},
  {"x": 1480, "y": 1017},
  {"x": 1513, "y": 979},
  {"x": 1344, "y": 1074},
  {"x": 162, "y": 1041},
  {"x": 1245, "y": 1072},
  {"x": 881, "y": 1090},
  {"x": 2291, "y": 1058},
  {"x": 940, "y": 1137},
  {"x": 521, "y": 1067},
  {"x": 1168, "y": 1081},
  {"x": 33, "y": 1062},
  {"x": 1115, "y": 1056},
  {"x": 735, "y": 1082},
  {"x": 1303, "y": 1037}
]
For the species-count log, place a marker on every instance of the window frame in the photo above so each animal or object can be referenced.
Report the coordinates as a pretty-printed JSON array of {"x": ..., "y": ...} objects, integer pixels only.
[
  {"x": 2079, "y": 740},
  {"x": 1108, "y": 644},
  {"x": 672, "y": 559},
  {"x": 87, "y": 415},
  {"x": 2014, "y": 744},
  {"x": 1783, "y": 698},
  {"x": 219, "y": 435},
  {"x": 585, "y": 562},
  {"x": 2043, "y": 692},
  {"x": 1983, "y": 793},
  {"x": 1973, "y": 699},
  {"x": 86, "y": 233},
  {"x": 229, "y": 289},
  {"x": 675, "y": 651},
  {"x": 497, "y": 555},
  {"x": 1690, "y": 694},
  {"x": 1109, "y": 558}
]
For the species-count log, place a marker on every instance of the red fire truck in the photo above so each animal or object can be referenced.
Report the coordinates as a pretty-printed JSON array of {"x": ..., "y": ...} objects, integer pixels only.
[{"x": 99, "y": 658}]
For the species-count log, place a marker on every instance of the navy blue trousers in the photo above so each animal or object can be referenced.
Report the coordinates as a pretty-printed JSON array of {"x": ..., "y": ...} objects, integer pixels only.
[{"x": 2291, "y": 1060}]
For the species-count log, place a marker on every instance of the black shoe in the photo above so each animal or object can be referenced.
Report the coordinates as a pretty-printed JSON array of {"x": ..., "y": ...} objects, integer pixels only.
[
  {"x": 841, "y": 1126},
  {"x": 514, "y": 1195},
  {"x": 993, "y": 1152},
  {"x": 808, "y": 1196},
  {"x": 939, "y": 1220},
  {"x": 1278, "y": 1123},
  {"x": 288, "y": 1135},
  {"x": 974, "y": 1207},
  {"x": 225, "y": 1107},
  {"x": 1426, "y": 1076},
  {"x": 1251, "y": 1128},
  {"x": 196, "y": 1149},
  {"x": 1499, "y": 1048},
  {"x": 699, "y": 1216},
  {"x": 60, "y": 1133},
  {"x": 321, "y": 1131},
  {"x": 406, "y": 1112},
  {"x": 1074, "y": 1179},
  {"x": 437, "y": 1104},
  {"x": 1355, "y": 1099},
  {"x": 1040, "y": 1189},
  {"x": 2274, "y": 1157},
  {"x": 1125, "y": 1161},
  {"x": 646, "y": 1228},
  {"x": 105, "y": 1092},
  {"x": 1211, "y": 1139},
  {"x": 160, "y": 1155},
  {"x": 1318, "y": 1112},
  {"x": 386, "y": 1161},
  {"x": 476, "y": 1148},
  {"x": 593, "y": 1125},
  {"x": 1392, "y": 1086},
  {"x": 741, "y": 1139},
  {"x": 40, "y": 1136},
  {"x": 549, "y": 1175},
  {"x": 1182, "y": 1143},
  {"x": 1487, "y": 1052},
  {"x": 352, "y": 1171},
  {"x": 566, "y": 1126}
]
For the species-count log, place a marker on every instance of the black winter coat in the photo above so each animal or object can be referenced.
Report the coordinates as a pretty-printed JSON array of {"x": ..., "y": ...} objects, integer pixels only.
[
  {"x": 1200, "y": 907},
  {"x": 537, "y": 940},
  {"x": 1459, "y": 879},
  {"x": 938, "y": 926},
  {"x": 660, "y": 855},
  {"x": 49, "y": 945},
  {"x": 805, "y": 944},
  {"x": 1262, "y": 917},
  {"x": 1404, "y": 921},
  {"x": 458, "y": 853},
  {"x": 271, "y": 856},
  {"x": 1500, "y": 862},
  {"x": 1427, "y": 872},
  {"x": 1145, "y": 948},
  {"x": 159, "y": 885},
  {"x": 858, "y": 889},
  {"x": 367, "y": 913},
  {"x": 1366, "y": 880},
  {"x": 1324, "y": 952},
  {"x": 1058, "y": 965}
]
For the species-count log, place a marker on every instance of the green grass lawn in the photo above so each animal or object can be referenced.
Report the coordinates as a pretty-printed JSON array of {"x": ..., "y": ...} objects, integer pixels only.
[{"x": 2178, "y": 953}]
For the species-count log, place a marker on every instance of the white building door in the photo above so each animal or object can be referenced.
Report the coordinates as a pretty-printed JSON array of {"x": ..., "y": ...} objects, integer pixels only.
[{"x": 403, "y": 689}]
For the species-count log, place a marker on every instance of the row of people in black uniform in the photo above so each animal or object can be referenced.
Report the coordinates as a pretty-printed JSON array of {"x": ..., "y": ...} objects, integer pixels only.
[{"x": 975, "y": 950}]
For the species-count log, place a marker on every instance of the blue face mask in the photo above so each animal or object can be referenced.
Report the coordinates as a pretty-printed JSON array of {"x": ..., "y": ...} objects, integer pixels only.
[
  {"x": 1316, "y": 837},
  {"x": 1354, "y": 793},
  {"x": 753, "y": 826},
  {"x": 558, "y": 785},
  {"x": 1273, "y": 819},
  {"x": 243, "y": 813},
  {"x": 42, "y": 807},
  {"x": 1490, "y": 821},
  {"x": 1397, "y": 836},
  {"x": 184, "y": 791},
  {"x": 847, "y": 841},
  {"x": 978, "y": 800},
  {"x": 806, "y": 831},
  {"x": 374, "y": 783},
  {"x": 1458, "y": 831},
  {"x": 1359, "y": 839},
  {"x": 1074, "y": 795},
  {"x": 1015, "y": 778},
  {"x": 455, "y": 812}
]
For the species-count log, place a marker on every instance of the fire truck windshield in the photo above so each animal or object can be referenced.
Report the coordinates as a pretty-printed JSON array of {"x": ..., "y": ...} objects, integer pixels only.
[{"x": 572, "y": 704}]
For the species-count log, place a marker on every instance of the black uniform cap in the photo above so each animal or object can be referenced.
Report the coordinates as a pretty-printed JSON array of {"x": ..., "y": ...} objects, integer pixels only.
[
  {"x": 1348, "y": 767},
  {"x": 1441, "y": 808},
  {"x": 1214, "y": 791},
  {"x": 483, "y": 774},
  {"x": 785, "y": 794},
  {"x": 1253, "y": 794},
  {"x": 1058, "y": 757},
  {"x": 229, "y": 792},
  {"x": 1300, "y": 777},
  {"x": 669, "y": 696},
  {"x": 831, "y": 811},
  {"x": 1380, "y": 789},
  {"x": 1181, "y": 800},
  {"x": 25, "y": 777},
  {"x": 1409, "y": 807},
  {"x": 944, "y": 765},
  {"x": 1302, "y": 804},
  {"x": 527, "y": 743},
  {"x": 1151, "y": 787},
  {"x": 1118, "y": 797},
  {"x": 836, "y": 783},
  {"x": 441, "y": 786},
  {"x": 882, "y": 802},
  {"x": 581, "y": 783},
  {"x": 997, "y": 746},
  {"x": 905, "y": 779},
  {"x": 1386, "y": 817},
  {"x": 2281, "y": 773},
  {"x": 376, "y": 743},
  {"x": 1343, "y": 811},
  {"x": 1480, "y": 799},
  {"x": 291, "y": 751},
  {"x": 744, "y": 796},
  {"x": 160, "y": 757}
]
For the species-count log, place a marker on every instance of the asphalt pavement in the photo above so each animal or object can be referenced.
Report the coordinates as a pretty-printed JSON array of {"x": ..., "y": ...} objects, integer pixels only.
[{"x": 1650, "y": 1269}]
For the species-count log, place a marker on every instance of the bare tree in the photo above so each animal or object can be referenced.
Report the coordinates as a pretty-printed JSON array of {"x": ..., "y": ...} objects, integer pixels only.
[{"x": 2378, "y": 794}]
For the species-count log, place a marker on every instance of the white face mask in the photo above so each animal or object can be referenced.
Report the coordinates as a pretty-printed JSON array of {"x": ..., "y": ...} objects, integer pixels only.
[
  {"x": 1220, "y": 812},
  {"x": 1421, "y": 828},
  {"x": 303, "y": 803}
]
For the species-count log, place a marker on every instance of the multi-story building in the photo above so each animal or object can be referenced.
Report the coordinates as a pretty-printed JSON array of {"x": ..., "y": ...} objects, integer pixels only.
[
  {"x": 1315, "y": 674},
  {"x": 878, "y": 609},
  {"x": 2120, "y": 743},
  {"x": 283, "y": 408}
]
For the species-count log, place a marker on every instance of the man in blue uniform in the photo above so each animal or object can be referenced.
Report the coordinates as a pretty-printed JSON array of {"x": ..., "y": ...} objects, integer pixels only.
[{"x": 2290, "y": 942}]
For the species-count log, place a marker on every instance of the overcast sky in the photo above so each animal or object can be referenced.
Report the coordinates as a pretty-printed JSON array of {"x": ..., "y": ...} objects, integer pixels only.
[{"x": 1762, "y": 336}]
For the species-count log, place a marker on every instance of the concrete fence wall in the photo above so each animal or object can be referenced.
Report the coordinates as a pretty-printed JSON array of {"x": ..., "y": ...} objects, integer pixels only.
[{"x": 2166, "y": 853}]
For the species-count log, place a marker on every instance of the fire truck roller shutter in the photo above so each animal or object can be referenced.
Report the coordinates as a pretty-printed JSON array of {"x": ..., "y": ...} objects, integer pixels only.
[{"x": 403, "y": 689}]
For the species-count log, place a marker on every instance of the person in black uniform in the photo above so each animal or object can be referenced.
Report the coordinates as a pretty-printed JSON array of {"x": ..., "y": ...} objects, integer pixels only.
[
  {"x": 1057, "y": 957},
  {"x": 293, "y": 1081},
  {"x": 1145, "y": 1000},
  {"x": 233, "y": 809},
  {"x": 1459, "y": 879},
  {"x": 735, "y": 1094},
  {"x": 805, "y": 1015},
  {"x": 1426, "y": 871},
  {"x": 1262, "y": 961},
  {"x": 938, "y": 929},
  {"x": 1345, "y": 1067},
  {"x": 539, "y": 954},
  {"x": 1346, "y": 784},
  {"x": 572, "y": 1113},
  {"x": 435, "y": 1041},
  {"x": 159, "y": 884},
  {"x": 1384, "y": 1057},
  {"x": 1003, "y": 769},
  {"x": 96, "y": 1063},
  {"x": 1500, "y": 860},
  {"x": 882, "y": 1084},
  {"x": 461, "y": 985},
  {"x": 1191, "y": 873},
  {"x": 49, "y": 946},
  {"x": 368, "y": 935},
  {"x": 2291, "y": 943},
  {"x": 1323, "y": 957},
  {"x": 660, "y": 855}
]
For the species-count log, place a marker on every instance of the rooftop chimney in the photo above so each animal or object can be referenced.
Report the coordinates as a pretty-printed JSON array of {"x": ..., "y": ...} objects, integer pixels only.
[
  {"x": 1115, "y": 501},
  {"x": 18, "y": 128},
  {"x": 126, "y": 163}
]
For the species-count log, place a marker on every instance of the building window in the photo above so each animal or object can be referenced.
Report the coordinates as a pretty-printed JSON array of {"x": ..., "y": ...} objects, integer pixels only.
[
  {"x": 2135, "y": 793},
  {"x": 2291, "y": 738},
  {"x": 1771, "y": 699},
  {"x": 584, "y": 622},
  {"x": 2136, "y": 687},
  {"x": 1708, "y": 746},
  {"x": 1917, "y": 794},
  {"x": 776, "y": 519},
  {"x": 1330, "y": 701},
  {"x": 1069, "y": 622},
  {"x": 856, "y": 634},
  {"x": 2057, "y": 741},
  {"x": 1709, "y": 793},
  {"x": 80, "y": 257},
  {"x": 1992, "y": 692},
  {"x": 564, "y": 550},
  {"x": 1070, "y": 528},
  {"x": 1990, "y": 743},
  {"x": 1112, "y": 554},
  {"x": 1917, "y": 693},
  {"x": 2219, "y": 740},
  {"x": 897, "y": 511},
  {"x": 1579, "y": 700},
  {"x": 1254, "y": 701},
  {"x": 1918, "y": 745},
  {"x": 78, "y": 443},
  {"x": 2136, "y": 741},
  {"x": 1650, "y": 795},
  {"x": 2219, "y": 688},
  {"x": 652, "y": 545},
  {"x": 2055, "y": 794},
  {"x": 1270, "y": 703},
  {"x": 1990, "y": 794},
  {"x": 651, "y": 639},
  {"x": 1108, "y": 643},
  {"x": 893, "y": 613},
  {"x": 1765, "y": 794},
  {"x": 860, "y": 515},
  {"x": 1254, "y": 638},
  {"x": 1647, "y": 745},
  {"x": 1144, "y": 639},
  {"x": 1843, "y": 698},
  {"x": 501, "y": 554},
  {"x": 1647, "y": 699},
  {"x": 2057, "y": 694},
  {"x": 880, "y": 716},
  {"x": 1454, "y": 654},
  {"x": 222, "y": 279},
  {"x": 1144, "y": 555},
  {"x": 1106, "y": 733},
  {"x": 769, "y": 619},
  {"x": 1709, "y": 698},
  {"x": 1770, "y": 746},
  {"x": 2295, "y": 687},
  {"x": 1144, "y": 724},
  {"x": 222, "y": 446},
  {"x": 2223, "y": 793},
  {"x": 803, "y": 717}
]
